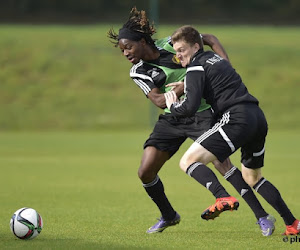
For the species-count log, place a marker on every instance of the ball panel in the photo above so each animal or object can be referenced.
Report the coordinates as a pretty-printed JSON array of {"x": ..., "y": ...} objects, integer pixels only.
[
  {"x": 19, "y": 229},
  {"x": 39, "y": 223}
]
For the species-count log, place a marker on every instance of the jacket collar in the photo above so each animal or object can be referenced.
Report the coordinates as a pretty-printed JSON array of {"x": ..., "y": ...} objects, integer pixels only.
[{"x": 200, "y": 51}]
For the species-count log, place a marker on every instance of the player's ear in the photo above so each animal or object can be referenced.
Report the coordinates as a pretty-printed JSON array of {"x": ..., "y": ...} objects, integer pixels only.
[{"x": 196, "y": 46}]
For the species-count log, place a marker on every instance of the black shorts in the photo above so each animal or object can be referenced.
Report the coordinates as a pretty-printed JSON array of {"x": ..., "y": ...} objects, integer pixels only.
[
  {"x": 241, "y": 126},
  {"x": 170, "y": 132}
]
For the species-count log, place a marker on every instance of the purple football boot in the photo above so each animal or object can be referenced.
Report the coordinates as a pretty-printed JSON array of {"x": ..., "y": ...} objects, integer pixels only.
[
  {"x": 266, "y": 224},
  {"x": 162, "y": 224}
]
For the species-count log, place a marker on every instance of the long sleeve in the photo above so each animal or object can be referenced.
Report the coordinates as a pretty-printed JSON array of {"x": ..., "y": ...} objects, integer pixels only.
[{"x": 194, "y": 87}]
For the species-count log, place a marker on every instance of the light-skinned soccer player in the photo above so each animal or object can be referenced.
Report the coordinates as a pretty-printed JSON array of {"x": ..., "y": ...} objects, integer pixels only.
[{"x": 241, "y": 123}]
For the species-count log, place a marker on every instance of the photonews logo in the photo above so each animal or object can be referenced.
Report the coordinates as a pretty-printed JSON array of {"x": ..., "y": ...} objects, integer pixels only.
[{"x": 292, "y": 239}]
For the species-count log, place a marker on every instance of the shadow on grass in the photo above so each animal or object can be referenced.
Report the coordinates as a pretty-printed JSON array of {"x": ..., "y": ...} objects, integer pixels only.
[{"x": 10, "y": 242}]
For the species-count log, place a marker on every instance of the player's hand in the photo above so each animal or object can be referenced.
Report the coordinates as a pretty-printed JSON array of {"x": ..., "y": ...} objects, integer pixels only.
[
  {"x": 175, "y": 84},
  {"x": 170, "y": 98},
  {"x": 178, "y": 87}
]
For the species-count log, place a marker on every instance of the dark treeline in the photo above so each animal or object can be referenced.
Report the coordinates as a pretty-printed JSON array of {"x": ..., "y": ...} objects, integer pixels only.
[{"x": 170, "y": 11}]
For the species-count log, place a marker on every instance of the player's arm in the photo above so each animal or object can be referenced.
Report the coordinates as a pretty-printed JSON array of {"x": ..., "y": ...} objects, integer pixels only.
[
  {"x": 158, "y": 98},
  {"x": 215, "y": 45},
  {"x": 194, "y": 91},
  {"x": 149, "y": 85}
]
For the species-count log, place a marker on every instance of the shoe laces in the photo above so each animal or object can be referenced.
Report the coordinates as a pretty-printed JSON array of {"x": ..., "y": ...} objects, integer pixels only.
[
  {"x": 222, "y": 202},
  {"x": 218, "y": 205},
  {"x": 160, "y": 219}
]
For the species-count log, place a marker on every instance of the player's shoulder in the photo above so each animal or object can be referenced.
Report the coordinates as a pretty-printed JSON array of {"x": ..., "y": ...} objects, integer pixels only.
[
  {"x": 198, "y": 62},
  {"x": 139, "y": 68},
  {"x": 143, "y": 70},
  {"x": 207, "y": 59},
  {"x": 204, "y": 56},
  {"x": 212, "y": 59}
]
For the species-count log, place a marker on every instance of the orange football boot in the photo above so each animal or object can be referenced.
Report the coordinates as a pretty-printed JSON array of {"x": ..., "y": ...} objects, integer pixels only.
[
  {"x": 293, "y": 229},
  {"x": 222, "y": 204}
]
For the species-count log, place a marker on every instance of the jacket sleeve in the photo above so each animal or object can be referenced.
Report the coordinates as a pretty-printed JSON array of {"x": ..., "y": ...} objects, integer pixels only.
[
  {"x": 144, "y": 82},
  {"x": 194, "y": 87}
]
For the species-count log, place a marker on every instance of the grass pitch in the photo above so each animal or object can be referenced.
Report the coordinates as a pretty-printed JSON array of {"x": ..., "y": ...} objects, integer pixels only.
[{"x": 86, "y": 188}]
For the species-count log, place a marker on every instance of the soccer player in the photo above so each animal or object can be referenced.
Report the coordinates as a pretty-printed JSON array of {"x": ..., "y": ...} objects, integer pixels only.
[
  {"x": 241, "y": 123},
  {"x": 154, "y": 66}
]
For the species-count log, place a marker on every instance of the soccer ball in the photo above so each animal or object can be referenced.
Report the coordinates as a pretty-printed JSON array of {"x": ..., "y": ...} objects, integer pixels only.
[{"x": 26, "y": 223}]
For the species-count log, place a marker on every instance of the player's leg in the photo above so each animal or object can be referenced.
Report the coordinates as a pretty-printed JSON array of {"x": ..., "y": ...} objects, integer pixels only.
[
  {"x": 152, "y": 161},
  {"x": 223, "y": 167},
  {"x": 194, "y": 163},
  {"x": 163, "y": 142},
  {"x": 230, "y": 172},
  {"x": 253, "y": 160},
  {"x": 271, "y": 194},
  {"x": 234, "y": 176}
]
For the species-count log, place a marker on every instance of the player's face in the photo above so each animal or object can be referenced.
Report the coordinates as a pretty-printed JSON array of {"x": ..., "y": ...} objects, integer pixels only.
[
  {"x": 185, "y": 51},
  {"x": 132, "y": 50}
]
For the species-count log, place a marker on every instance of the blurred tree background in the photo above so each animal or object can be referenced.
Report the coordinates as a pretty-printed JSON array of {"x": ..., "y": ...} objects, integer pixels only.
[{"x": 172, "y": 11}]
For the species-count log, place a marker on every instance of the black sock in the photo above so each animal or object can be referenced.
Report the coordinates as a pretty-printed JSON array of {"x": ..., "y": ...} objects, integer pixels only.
[
  {"x": 273, "y": 197},
  {"x": 234, "y": 176},
  {"x": 207, "y": 178},
  {"x": 155, "y": 190}
]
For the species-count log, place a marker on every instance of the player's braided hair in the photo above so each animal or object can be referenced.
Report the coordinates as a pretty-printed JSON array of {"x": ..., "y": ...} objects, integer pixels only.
[{"x": 136, "y": 28}]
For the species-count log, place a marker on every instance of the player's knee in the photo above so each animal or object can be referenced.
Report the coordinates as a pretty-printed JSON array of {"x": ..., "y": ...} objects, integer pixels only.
[
  {"x": 142, "y": 174},
  {"x": 223, "y": 167},
  {"x": 188, "y": 159},
  {"x": 145, "y": 174},
  {"x": 184, "y": 163},
  {"x": 250, "y": 179}
]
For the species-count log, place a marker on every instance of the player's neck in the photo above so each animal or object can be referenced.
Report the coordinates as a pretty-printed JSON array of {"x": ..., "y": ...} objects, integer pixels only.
[{"x": 151, "y": 54}]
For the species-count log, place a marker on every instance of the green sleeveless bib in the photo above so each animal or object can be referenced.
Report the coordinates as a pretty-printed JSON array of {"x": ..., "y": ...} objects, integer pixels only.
[{"x": 173, "y": 75}]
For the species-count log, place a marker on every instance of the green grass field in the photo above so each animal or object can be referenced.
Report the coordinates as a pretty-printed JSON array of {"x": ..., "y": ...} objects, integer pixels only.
[
  {"x": 85, "y": 186},
  {"x": 84, "y": 182}
]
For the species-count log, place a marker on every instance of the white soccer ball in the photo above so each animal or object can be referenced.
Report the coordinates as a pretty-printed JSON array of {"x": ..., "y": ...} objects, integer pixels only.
[{"x": 26, "y": 223}]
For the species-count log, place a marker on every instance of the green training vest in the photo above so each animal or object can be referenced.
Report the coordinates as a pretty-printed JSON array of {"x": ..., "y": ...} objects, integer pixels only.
[{"x": 173, "y": 75}]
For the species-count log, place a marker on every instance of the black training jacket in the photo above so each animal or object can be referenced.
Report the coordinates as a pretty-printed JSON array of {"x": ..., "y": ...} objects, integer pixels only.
[{"x": 213, "y": 78}]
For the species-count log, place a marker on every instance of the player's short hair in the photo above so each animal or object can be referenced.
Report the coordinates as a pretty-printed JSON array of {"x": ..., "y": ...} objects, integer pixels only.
[
  {"x": 136, "y": 28},
  {"x": 187, "y": 34}
]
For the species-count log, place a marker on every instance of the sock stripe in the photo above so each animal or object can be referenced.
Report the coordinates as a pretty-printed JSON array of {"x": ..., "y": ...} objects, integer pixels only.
[
  {"x": 152, "y": 183},
  {"x": 229, "y": 172},
  {"x": 192, "y": 167},
  {"x": 260, "y": 184}
]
